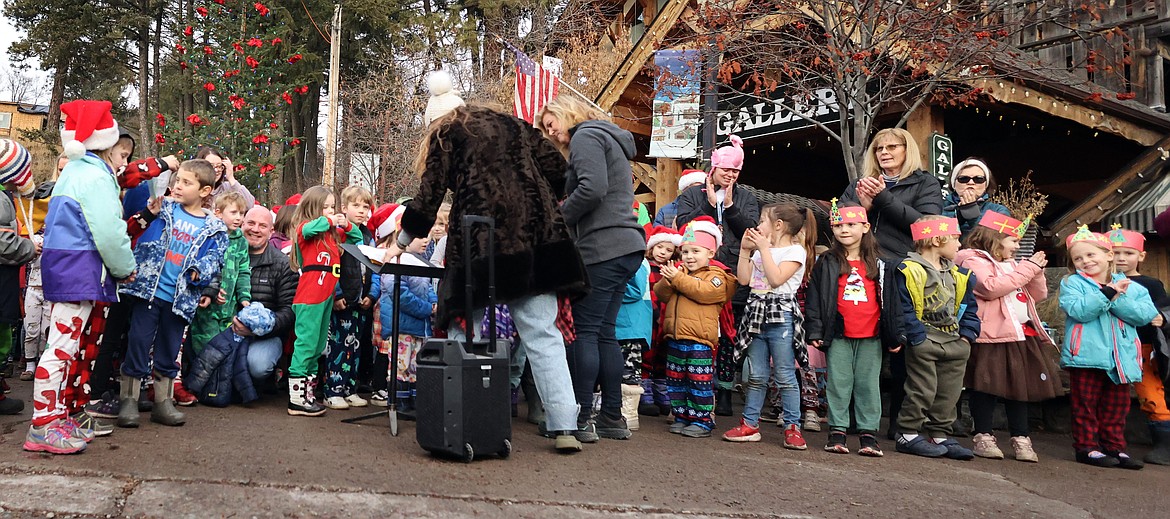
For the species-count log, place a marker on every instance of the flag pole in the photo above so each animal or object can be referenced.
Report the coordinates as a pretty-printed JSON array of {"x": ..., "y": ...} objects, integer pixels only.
[{"x": 561, "y": 82}]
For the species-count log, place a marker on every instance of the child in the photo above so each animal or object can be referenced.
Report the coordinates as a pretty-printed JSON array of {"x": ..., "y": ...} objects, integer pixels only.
[
  {"x": 940, "y": 320},
  {"x": 694, "y": 294},
  {"x": 772, "y": 262},
  {"x": 438, "y": 230},
  {"x": 180, "y": 253},
  {"x": 352, "y": 302},
  {"x": 218, "y": 305},
  {"x": 1009, "y": 361},
  {"x": 853, "y": 307},
  {"x": 661, "y": 249},
  {"x": 219, "y": 374},
  {"x": 1100, "y": 348},
  {"x": 15, "y": 250},
  {"x": 634, "y": 322},
  {"x": 417, "y": 300},
  {"x": 317, "y": 255},
  {"x": 1129, "y": 251},
  {"x": 84, "y": 254}
]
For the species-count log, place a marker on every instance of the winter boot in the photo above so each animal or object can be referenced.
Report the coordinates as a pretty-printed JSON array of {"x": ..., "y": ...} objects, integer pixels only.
[
  {"x": 1160, "y": 433},
  {"x": 646, "y": 406},
  {"x": 630, "y": 395},
  {"x": 723, "y": 402},
  {"x": 661, "y": 398},
  {"x": 515, "y": 401},
  {"x": 164, "y": 411},
  {"x": 146, "y": 398},
  {"x": 532, "y": 396},
  {"x": 131, "y": 389},
  {"x": 301, "y": 401}
]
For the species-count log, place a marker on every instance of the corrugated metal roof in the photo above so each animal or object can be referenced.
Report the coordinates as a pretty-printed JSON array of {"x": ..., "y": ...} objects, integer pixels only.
[{"x": 1139, "y": 211}]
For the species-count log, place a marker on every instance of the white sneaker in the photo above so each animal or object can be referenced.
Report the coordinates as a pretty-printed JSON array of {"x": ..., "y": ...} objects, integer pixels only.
[
  {"x": 812, "y": 422},
  {"x": 355, "y": 400},
  {"x": 336, "y": 402}
]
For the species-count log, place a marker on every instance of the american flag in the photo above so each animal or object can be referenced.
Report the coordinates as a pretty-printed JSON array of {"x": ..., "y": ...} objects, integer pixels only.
[{"x": 535, "y": 86}]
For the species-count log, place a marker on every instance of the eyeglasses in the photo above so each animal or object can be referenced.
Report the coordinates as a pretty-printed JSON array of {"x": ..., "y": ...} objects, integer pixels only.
[
  {"x": 889, "y": 148},
  {"x": 964, "y": 179}
]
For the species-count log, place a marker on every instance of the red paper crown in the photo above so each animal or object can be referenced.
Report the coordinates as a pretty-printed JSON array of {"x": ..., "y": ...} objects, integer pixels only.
[
  {"x": 1126, "y": 238},
  {"x": 932, "y": 228},
  {"x": 846, "y": 214},
  {"x": 1003, "y": 223},
  {"x": 1084, "y": 234}
]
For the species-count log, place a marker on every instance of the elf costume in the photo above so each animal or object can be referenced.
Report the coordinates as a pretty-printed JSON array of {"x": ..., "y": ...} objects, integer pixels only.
[{"x": 319, "y": 253}]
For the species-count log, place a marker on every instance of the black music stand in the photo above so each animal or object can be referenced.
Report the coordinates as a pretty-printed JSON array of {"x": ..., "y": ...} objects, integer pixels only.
[{"x": 398, "y": 271}]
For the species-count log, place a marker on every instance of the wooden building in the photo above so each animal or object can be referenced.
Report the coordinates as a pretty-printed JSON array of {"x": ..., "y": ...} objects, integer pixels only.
[
  {"x": 1098, "y": 157},
  {"x": 18, "y": 117}
]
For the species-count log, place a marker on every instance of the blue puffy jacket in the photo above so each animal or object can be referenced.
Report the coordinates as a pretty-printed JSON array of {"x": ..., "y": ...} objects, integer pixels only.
[
  {"x": 221, "y": 369},
  {"x": 203, "y": 263},
  {"x": 1101, "y": 333},
  {"x": 416, "y": 297}
]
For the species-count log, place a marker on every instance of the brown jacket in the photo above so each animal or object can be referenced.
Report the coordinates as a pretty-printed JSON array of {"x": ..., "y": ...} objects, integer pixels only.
[{"x": 693, "y": 301}]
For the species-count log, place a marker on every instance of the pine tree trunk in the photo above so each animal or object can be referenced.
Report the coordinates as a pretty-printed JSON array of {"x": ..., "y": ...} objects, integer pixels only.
[
  {"x": 144, "y": 133},
  {"x": 60, "y": 71}
]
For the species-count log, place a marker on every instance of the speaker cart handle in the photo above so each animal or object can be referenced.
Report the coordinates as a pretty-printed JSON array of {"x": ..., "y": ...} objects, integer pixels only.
[{"x": 469, "y": 288}]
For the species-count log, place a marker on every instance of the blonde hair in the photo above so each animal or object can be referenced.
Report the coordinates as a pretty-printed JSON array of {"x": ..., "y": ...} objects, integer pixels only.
[
  {"x": 310, "y": 208},
  {"x": 231, "y": 198},
  {"x": 353, "y": 194},
  {"x": 933, "y": 241},
  {"x": 913, "y": 162},
  {"x": 569, "y": 112}
]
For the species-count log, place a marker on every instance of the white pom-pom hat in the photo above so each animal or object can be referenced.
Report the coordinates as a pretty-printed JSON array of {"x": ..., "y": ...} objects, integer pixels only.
[
  {"x": 89, "y": 126},
  {"x": 443, "y": 99},
  {"x": 16, "y": 166}
]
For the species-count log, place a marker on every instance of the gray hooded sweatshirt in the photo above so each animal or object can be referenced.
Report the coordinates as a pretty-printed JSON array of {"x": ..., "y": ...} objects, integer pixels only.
[{"x": 599, "y": 207}]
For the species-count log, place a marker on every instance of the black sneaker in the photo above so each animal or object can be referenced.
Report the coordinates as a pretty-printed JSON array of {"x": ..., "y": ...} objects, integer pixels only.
[
  {"x": 586, "y": 433},
  {"x": 613, "y": 429},
  {"x": 1124, "y": 461},
  {"x": 107, "y": 407},
  {"x": 1103, "y": 460},
  {"x": 770, "y": 414}
]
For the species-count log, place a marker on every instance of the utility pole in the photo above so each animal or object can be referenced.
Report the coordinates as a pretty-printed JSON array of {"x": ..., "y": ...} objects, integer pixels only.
[{"x": 334, "y": 107}]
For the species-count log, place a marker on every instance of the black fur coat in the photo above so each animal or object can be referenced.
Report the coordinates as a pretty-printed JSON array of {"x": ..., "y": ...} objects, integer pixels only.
[{"x": 499, "y": 166}]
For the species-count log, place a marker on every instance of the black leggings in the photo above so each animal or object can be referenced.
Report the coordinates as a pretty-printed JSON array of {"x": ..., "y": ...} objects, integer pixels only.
[{"x": 983, "y": 409}]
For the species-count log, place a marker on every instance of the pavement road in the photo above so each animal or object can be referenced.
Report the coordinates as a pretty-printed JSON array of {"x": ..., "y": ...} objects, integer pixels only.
[{"x": 257, "y": 461}]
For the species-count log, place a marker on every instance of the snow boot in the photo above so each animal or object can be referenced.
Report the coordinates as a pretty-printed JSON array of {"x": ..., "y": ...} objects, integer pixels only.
[
  {"x": 1160, "y": 433},
  {"x": 131, "y": 389},
  {"x": 164, "y": 411},
  {"x": 301, "y": 401},
  {"x": 631, "y": 394}
]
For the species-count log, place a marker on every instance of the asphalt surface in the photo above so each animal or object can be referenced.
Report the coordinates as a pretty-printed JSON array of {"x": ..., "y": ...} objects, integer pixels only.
[{"x": 257, "y": 461}]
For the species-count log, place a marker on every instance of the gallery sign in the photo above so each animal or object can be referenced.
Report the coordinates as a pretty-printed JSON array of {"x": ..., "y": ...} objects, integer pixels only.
[{"x": 755, "y": 116}]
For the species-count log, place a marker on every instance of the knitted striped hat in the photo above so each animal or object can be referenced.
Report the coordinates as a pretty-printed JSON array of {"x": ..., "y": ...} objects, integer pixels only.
[{"x": 16, "y": 166}]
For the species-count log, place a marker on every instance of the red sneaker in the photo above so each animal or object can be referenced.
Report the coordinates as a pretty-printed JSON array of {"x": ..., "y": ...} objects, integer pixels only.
[
  {"x": 743, "y": 433},
  {"x": 183, "y": 397},
  {"x": 793, "y": 439}
]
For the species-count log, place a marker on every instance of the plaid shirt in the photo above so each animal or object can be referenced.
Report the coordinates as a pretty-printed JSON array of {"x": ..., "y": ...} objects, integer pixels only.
[{"x": 769, "y": 308}]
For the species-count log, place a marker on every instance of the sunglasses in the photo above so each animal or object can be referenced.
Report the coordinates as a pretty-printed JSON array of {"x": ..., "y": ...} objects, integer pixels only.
[
  {"x": 964, "y": 179},
  {"x": 889, "y": 148}
]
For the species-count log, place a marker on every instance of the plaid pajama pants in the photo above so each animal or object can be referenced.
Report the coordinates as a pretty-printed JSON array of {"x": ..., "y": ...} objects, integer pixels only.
[{"x": 1098, "y": 410}]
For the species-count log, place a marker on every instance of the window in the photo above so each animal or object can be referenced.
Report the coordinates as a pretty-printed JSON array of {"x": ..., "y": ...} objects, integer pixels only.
[{"x": 5, "y": 121}]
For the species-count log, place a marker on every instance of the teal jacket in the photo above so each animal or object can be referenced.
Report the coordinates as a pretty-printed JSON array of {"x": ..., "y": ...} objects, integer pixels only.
[{"x": 1101, "y": 333}]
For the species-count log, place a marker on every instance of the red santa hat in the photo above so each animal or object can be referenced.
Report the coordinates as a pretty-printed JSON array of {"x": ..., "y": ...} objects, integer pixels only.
[
  {"x": 89, "y": 126},
  {"x": 386, "y": 220},
  {"x": 660, "y": 234},
  {"x": 703, "y": 231},
  {"x": 690, "y": 177}
]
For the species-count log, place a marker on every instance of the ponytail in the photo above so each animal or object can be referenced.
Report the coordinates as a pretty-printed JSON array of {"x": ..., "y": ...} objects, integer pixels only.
[{"x": 810, "y": 241}]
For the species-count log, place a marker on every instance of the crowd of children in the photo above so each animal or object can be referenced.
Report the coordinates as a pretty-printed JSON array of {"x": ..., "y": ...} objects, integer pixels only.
[{"x": 963, "y": 313}]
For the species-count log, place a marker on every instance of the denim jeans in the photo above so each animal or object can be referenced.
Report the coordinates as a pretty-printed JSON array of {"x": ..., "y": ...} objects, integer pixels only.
[
  {"x": 595, "y": 357},
  {"x": 773, "y": 343},
  {"x": 535, "y": 318},
  {"x": 263, "y": 355}
]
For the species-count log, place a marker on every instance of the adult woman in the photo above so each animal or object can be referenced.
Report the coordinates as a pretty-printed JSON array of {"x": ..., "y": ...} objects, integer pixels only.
[
  {"x": 971, "y": 187},
  {"x": 736, "y": 210},
  {"x": 599, "y": 195},
  {"x": 225, "y": 177},
  {"x": 499, "y": 166},
  {"x": 894, "y": 190}
]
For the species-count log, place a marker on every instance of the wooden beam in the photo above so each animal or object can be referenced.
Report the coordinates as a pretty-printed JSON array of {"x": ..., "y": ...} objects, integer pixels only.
[
  {"x": 629, "y": 120},
  {"x": 1142, "y": 170},
  {"x": 645, "y": 174},
  {"x": 645, "y": 198},
  {"x": 641, "y": 53},
  {"x": 926, "y": 120},
  {"x": 1007, "y": 92},
  {"x": 667, "y": 174}
]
